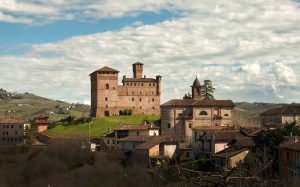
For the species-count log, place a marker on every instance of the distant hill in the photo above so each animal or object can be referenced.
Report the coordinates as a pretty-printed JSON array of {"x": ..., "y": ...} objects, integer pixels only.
[
  {"x": 247, "y": 114},
  {"x": 27, "y": 105}
]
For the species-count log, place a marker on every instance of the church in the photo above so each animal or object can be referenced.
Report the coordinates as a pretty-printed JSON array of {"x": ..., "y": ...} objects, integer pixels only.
[
  {"x": 180, "y": 116},
  {"x": 137, "y": 95}
]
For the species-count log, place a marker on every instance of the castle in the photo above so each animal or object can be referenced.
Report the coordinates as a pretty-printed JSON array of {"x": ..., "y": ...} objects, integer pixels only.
[{"x": 137, "y": 95}]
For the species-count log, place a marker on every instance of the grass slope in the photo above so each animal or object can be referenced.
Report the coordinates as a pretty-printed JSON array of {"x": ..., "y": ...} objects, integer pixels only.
[
  {"x": 33, "y": 104},
  {"x": 99, "y": 126}
]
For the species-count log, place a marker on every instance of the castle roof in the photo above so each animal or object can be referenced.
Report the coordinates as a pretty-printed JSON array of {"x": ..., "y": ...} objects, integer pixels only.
[
  {"x": 196, "y": 82},
  {"x": 202, "y": 102},
  {"x": 291, "y": 109},
  {"x": 138, "y": 63},
  {"x": 106, "y": 69}
]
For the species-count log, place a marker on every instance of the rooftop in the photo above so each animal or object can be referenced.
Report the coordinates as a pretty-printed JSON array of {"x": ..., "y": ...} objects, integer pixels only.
[
  {"x": 290, "y": 109},
  {"x": 155, "y": 140},
  {"x": 12, "y": 121},
  {"x": 135, "y": 139},
  {"x": 229, "y": 153},
  {"x": 202, "y": 102},
  {"x": 211, "y": 128},
  {"x": 107, "y": 69}
]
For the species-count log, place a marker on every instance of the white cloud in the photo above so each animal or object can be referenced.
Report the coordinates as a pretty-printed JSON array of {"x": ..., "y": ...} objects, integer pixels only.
[{"x": 247, "y": 49}]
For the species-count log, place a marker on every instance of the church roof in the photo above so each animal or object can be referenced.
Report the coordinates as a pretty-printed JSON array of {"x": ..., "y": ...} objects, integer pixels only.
[
  {"x": 213, "y": 102},
  {"x": 196, "y": 82},
  {"x": 106, "y": 69},
  {"x": 203, "y": 102},
  {"x": 180, "y": 102}
]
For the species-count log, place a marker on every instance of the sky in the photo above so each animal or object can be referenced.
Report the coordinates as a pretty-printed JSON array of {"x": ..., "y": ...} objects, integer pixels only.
[{"x": 250, "y": 50}]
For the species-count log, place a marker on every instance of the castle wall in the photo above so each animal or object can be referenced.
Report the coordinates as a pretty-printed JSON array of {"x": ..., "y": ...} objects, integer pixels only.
[{"x": 141, "y": 95}]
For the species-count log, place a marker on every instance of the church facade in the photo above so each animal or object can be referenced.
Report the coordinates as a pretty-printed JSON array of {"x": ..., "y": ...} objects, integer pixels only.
[
  {"x": 180, "y": 116},
  {"x": 137, "y": 95}
]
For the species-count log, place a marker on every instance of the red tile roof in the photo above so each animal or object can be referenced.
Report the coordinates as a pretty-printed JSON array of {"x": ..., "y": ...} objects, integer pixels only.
[
  {"x": 291, "y": 109},
  {"x": 211, "y": 128},
  {"x": 12, "y": 121},
  {"x": 202, "y": 102},
  {"x": 106, "y": 69},
  {"x": 155, "y": 140},
  {"x": 135, "y": 139},
  {"x": 180, "y": 102}
]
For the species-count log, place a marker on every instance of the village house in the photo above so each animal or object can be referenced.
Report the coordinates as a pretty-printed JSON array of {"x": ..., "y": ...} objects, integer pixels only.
[
  {"x": 12, "y": 131},
  {"x": 245, "y": 152},
  {"x": 277, "y": 116},
  {"x": 179, "y": 116},
  {"x": 208, "y": 140},
  {"x": 137, "y": 95},
  {"x": 136, "y": 133},
  {"x": 41, "y": 121},
  {"x": 289, "y": 156}
]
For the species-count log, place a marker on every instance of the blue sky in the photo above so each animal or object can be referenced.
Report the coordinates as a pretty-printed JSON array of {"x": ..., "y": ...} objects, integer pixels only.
[{"x": 250, "y": 50}]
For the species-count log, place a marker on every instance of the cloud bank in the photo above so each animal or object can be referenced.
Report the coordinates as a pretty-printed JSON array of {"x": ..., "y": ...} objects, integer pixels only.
[{"x": 250, "y": 50}]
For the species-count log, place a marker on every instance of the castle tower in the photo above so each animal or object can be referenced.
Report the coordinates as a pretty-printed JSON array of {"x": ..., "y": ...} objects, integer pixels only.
[
  {"x": 196, "y": 90},
  {"x": 137, "y": 70},
  {"x": 104, "y": 92}
]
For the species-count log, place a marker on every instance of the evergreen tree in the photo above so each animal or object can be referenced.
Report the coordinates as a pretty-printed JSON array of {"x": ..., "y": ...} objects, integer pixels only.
[{"x": 208, "y": 90}]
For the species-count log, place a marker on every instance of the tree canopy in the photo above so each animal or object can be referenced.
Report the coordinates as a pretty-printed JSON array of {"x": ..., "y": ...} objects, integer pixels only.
[{"x": 208, "y": 90}]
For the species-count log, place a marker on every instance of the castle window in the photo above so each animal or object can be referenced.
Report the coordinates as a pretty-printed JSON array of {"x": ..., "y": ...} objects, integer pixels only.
[
  {"x": 140, "y": 93},
  {"x": 190, "y": 125},
  {"x": 153, "y": 84},
  {"x": 152, "y": 99},
  {"x": 134, "y": 84},
  {"x": 153, "y": 107},
  {"x": 107, "y": 86},
  {"x": 140, "y": 106},
  {"x": 132, "y": 99},
  {"x": 169, "y": 125},
  {"x": 130, "y": 84},
  {"x": 137, "y": 133},
  {"x": 203, "y": 113},
  {"x": 226, "y": 115},
  {"x": 149, "y": 84},
  {"x": 140, "y": 99},
  {"x": 106, "y": 99},
  {"x": 106, "y": 106},
  {"x": 142, "y": 84}
]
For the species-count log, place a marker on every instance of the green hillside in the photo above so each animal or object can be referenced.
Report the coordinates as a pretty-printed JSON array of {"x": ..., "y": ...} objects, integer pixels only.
[
  {"x": 99, "y": 126},
  {"x": 27, "y": 105}
]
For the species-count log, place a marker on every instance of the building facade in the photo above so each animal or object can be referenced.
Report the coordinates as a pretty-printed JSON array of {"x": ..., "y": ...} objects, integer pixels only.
[
  {"x": 12, "y": 131},
  {"x": 277, "y": 116},
  {"x": 179, "y": 116},
  {"x": 136, "y": 95}
]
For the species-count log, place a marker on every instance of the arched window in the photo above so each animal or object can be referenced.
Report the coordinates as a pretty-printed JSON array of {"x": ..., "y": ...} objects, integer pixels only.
[
  {"x": 107, "y": 86},
  {"x": 203, "y": 113}
]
